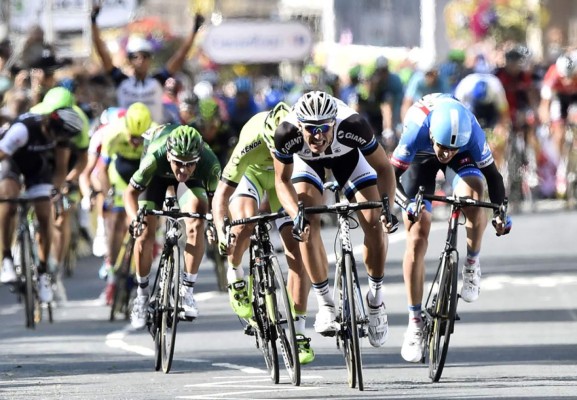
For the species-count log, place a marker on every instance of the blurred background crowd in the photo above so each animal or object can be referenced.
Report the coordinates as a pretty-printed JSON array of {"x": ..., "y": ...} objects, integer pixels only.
[{"x": 379, "y": 56}]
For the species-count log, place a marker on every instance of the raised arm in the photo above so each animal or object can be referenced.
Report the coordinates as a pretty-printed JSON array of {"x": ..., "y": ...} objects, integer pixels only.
[
  {"x": 174, "y": 63},
  {"x": 99, "y": 44}
]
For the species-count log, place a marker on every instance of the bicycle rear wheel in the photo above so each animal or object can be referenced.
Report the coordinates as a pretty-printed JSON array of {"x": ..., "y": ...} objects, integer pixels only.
[
  {"x": 280, "y": 312},
  {"x": 352, "y": 292},
  {"x": 443, "y": 310},
  {"x": 169, "y": 307},
  {"x": 265, "y": 333},
  {"x": 31, "y": 303},
  {"x": 219, "y": 267}
]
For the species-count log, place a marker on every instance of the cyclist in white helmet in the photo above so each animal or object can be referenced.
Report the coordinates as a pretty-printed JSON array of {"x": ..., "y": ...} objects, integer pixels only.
[
  {"x": 441, "y": 134},
  {"x": 322, "y": 133}
]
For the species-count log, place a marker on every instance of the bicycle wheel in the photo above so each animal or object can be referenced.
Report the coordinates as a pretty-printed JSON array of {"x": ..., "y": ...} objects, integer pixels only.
[
  {"x": 351, "y": 321},
  {"x": 265, "y": 333},
  {"x": 31, "y": 305},
  {"x": 344, "y": 342},
  {"x": 282, "y": 316},
  {"x": 443, "y": 309},
  {"x": 169, "y": 307},
  {"x": 219, "y": 267},
  {"x": 123, "y": 281}
]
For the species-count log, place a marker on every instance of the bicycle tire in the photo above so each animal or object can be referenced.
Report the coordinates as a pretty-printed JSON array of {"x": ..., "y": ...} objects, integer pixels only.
[
  {"x": 157, "y": 351},
  {"x": 284, "y": 322},
  {"x": 170, "y": 297},
  {"x": 265, "y": 334},
  {"x": 71, "y": 257},
  {"x": 121, "y": 299},
  {"x": 352, "y": 321},
  {"x": 31, "y": 306},
  {"x": 443, "y": 313},
  {"x": 343, "y": 339},
  {"x": 219, "y": 268}
]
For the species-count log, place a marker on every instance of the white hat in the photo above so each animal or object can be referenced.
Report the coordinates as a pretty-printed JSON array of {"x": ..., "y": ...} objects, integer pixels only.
[
  {"x": 138, "y": 44},
  {"x": 203, "y": 90}
]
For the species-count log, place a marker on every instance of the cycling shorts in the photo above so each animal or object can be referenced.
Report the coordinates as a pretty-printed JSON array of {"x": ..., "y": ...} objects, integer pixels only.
[
  {"x": 423, "y": 172},
  {"x": 560, "y": 106},
  {"x": 155, "y": 193},
  {"x": 352, "y": 172},
  {"x": 254, "y": 184},
  {"x": 120, "y": 171},
  {"x": 37, "y": 183}
]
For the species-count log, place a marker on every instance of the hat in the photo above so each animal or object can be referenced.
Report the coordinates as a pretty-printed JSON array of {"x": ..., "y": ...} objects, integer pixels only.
[
  {"x": 137, "y": 44},
  {"x": 47, "y": 61},
  {"x": 54, "y": 99}
]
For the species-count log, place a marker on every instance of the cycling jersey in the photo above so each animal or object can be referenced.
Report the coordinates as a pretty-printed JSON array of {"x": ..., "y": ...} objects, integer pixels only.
[
  {"x": 130, "y": 89},
  {"x": 517, "y": 89},
  {"x": 352, "y": 133},
  {"x": 415, "y": 140},
  {"x": 488, "y": 110},
  {"x": 250, "y": 151},
  {"x": 155, "y": 164},
  {"x": 553, "y": 84},
  {"x": 116, "y": 143}
]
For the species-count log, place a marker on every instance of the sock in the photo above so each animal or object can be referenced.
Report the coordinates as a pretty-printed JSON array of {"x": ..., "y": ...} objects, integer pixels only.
[
  {"x": 142, "y": 281},
  {"x": 376, "y": 296},
  {"x": 42, "y": 267},
  {"x": 322, "y": 291},
  {"x": 189, "y": 281},
  {"x": 472, "y": 257},
  {"x": 300, "y": 321},
  {"x": 234, "y": 273},
  {"x": 100, "y": 226},
  {"x": 415, "y": 315}
]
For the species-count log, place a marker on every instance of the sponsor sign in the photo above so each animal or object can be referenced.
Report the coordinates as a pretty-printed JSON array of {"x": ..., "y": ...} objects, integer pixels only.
[{"x": 257, "y": 42}]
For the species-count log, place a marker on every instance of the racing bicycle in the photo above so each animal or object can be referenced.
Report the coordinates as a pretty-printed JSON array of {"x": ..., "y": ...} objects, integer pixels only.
[{"x": 272, "y": 323}]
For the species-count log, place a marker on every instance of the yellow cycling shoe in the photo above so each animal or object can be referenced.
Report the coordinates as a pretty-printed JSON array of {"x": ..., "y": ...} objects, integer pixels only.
[
  {"x": 306, "y": 353},
  {"x": 239, "y": 296}
]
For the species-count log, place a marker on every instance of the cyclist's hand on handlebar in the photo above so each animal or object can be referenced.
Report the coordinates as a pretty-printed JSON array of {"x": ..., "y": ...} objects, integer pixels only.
[
  {"x": 502, "y": 227},
  {"x": 301, "y": 234},
  {"x": 392, "y": 226},
  {"x": 413, "y": 213}
]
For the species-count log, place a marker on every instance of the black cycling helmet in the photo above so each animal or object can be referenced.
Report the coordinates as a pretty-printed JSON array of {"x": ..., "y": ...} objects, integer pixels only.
[
  {"x": 517, "y": 53},
  {"x": 65, "y": 122}
]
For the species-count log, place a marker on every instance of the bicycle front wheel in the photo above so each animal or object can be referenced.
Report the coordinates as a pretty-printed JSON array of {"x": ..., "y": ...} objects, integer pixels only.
[
  {"x": 123, "y": 281},
  {"x": 443, "y": 310},
  {"x": 32, "y": 309},
  {"x": 265, "y": 333},
  {"x": 280, "y": 312},
  {"x": 353, "y": 292},
  {"x": 169, "y": 307}
]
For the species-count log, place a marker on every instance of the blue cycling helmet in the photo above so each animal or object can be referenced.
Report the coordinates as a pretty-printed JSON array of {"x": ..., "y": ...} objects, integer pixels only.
[
  {"x": 272, "y": 98},
  {"x": 479, "y": 93},
  {"x": 450, "y": 124}
]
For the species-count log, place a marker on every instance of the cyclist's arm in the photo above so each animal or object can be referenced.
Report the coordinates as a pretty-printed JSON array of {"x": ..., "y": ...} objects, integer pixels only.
[
  {"x": 3, "y": 155},
  {"x": 174, "y": 63},
  {"x": 79, "y": 166},
  {"x": 130, "y": 198},
  {"x": 494, "y": 183},
  {"x": 284, "y": 187},
  {"x": 84, "y": 178},
  {"x": 101, "y": 49},
  {"x": 220, "y": 201},
  {"x": 61, "y": 166},
  {"x": 386, "y": 181}
]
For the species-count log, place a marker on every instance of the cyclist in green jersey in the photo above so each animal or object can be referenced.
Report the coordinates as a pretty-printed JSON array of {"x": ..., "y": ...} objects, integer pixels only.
[
  {"x": 176, "y": 157},
  {"x": 246, "y": 178}
]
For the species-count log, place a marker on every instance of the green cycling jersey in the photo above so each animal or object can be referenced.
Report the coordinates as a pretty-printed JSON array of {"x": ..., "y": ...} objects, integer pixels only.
[{"x": 155, "y": 164}]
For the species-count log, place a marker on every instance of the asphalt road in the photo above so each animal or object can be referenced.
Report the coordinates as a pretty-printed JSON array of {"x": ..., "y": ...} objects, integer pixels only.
[{"x": 519, "y": 340}]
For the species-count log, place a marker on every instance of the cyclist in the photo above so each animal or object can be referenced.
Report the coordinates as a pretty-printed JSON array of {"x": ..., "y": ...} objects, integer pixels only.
[
  {"x": 176, "y": 157},
  {"x": 484, "y": 96},
  {"x": 141, "y": 87},
  {"x": 122, "y": 147},
  {"x": 36, "y": 147},
  {"x": 245, "y": 180},
  {"x": 321, "y": 133},
  {"x": 441, "y": 134}
]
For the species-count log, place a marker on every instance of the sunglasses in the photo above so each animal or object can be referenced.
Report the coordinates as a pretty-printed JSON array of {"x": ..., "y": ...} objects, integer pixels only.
[
  {"x": 134, "y": 56},
  {"x": 183, "y": 164},
  {"x": 445, "y": 148},
  {"x": 318, "y": 129}
]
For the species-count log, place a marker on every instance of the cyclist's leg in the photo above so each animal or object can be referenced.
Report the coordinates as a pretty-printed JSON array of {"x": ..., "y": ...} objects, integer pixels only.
[
  {"x": 9, "y": 188},
  {"x": 467, "y": 180},
  {"x": 422, "y": 172},
  {"x": 308, "y": 185},
  {"x": 192, "y": 199}
]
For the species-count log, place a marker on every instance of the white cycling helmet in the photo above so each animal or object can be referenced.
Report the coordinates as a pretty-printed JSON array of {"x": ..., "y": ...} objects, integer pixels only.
[
  {"x": 137, "y": 44},
  {"x": 565, "y": 66},
  {"x": 316, "y": 106}
]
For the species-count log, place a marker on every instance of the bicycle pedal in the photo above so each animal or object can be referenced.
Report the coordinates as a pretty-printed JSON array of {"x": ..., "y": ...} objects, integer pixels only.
[{"x": 249, "y": 330}]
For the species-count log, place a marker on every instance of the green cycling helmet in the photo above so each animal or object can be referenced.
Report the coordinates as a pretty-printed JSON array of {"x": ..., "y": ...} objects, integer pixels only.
[
  {"x": 185, "y": 143},
  {"x": 208, "y": 109},
  {"x": 273, "y": 119}
]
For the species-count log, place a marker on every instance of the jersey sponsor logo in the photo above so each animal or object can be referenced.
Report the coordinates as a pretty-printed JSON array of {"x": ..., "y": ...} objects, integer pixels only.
[
  {"x": 292, "y": 143},
  {"x": 465, "y": 160},
  {"x": 351, "y": 136},
  {"x": 250, "y": 146},
  {"x": 399, "y": 164},
  {"x": 38, "y": 148},
  {"x": 485, "y": 162}
]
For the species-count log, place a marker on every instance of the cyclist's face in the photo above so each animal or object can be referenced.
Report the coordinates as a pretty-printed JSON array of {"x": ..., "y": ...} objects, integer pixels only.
[
  {"x": 182, "y": 169},
  {"x": 318, "y": 136},
  {"x": 444, "y": 154}
]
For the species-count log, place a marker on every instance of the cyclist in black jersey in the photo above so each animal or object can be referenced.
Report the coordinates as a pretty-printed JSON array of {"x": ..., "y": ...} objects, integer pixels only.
[{"x": 34, "y": 154}]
